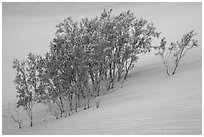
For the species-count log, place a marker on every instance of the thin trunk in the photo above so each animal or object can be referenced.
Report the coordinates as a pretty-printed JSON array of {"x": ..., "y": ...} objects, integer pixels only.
[
  {"x": 61, "y": 102},
  {"x": 167, "y": 71},
  {"x": 31, "y": 119},
  {"x": 62, "y": 106},
  {"x": 114, "y": 69},
  {"x": 112, "y": 84},
  {"x": 85, "y": 105},
  {"x": 88, "y": 102},
  {"x": 105, "y": 74},
  {"x": 113, "y": 76},
  {"x": 76, "y": 104},
  {"x": 78, "y": 100},
  {"x": 19, "y": 124},
  {"x": 98, "y": 90},
  {"x": 76, "y": 107},
  {"x": 70, "y": 103},
  {"x": 119, "y": 72},
  {"x": 166, "y": 66},
  {"x": 89, "y": 96},
  {"x": 177, "y": 62},
  {"x": 127, "y": 70},
  {"x": 110, "y": 75},
  {"x": 126, "y": 74},
  {"x": 174, "y": 71}
]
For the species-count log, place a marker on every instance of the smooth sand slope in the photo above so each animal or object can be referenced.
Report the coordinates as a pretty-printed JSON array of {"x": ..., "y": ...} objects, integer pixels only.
[{"x": 149, "y": 103}]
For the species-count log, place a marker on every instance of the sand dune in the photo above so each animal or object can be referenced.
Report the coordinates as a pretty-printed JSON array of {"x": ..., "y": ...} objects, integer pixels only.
[{"x": 149, "y": 103}]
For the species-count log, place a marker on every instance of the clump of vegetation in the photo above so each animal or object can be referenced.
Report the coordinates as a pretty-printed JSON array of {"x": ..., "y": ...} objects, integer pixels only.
[
  {"x": 81, "y": 57},
  {"x": 178, "y": 50},
  {"x": 86, "y": 56}
]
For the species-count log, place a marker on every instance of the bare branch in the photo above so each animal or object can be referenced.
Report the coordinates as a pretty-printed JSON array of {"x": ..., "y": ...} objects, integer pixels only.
[{"x": 15, "y": 119}]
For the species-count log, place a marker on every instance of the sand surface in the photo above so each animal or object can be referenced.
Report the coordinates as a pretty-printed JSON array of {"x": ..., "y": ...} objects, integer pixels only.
[{"x": 149, "y": 103}]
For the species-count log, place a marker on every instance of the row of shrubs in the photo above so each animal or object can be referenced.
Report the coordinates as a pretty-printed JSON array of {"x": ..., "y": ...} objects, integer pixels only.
[{"x": 87, "y": 57}]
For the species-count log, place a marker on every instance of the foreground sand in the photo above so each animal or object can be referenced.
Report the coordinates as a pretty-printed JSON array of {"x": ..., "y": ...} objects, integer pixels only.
[{"x": 149, "y": 103}]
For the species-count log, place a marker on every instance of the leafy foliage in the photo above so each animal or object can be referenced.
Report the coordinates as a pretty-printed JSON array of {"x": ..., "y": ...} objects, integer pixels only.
[
  {"x": 178, "y": 50},
  {"x": 82, "y": 56},
  {"x": 27, "y": 82}
]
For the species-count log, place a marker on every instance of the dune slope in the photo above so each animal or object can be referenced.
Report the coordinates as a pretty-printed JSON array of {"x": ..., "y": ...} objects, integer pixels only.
[{"x": 149, "y": 103}]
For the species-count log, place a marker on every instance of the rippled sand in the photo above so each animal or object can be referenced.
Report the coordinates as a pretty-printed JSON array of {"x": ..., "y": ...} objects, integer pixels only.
[{"x": 149, "y": 103}]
